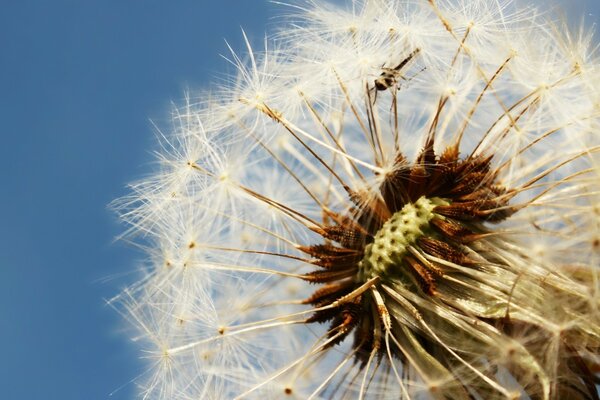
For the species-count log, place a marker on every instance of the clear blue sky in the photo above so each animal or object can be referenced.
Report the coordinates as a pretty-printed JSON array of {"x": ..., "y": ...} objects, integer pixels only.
[{"x": 79, "y": 82}]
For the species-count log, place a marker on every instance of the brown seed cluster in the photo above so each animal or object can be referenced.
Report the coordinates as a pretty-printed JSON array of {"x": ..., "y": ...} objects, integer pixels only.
[{"x": 468, "y": 187}]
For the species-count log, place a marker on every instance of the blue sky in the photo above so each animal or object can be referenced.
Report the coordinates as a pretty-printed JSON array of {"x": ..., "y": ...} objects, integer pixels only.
[{"x": 80, "y": 81}]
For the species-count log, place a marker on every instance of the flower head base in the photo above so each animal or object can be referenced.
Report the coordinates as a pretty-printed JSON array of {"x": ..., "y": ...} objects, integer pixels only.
[
  {"x": 392, "y": 241},
  {"x": 435, "y": 181}
]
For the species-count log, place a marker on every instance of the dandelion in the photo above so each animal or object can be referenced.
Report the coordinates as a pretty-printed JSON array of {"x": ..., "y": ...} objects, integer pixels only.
[{"x": 397, "y": 199}]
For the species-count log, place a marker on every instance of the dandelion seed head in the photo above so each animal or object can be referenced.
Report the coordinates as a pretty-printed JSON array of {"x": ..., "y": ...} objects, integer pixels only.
[{"x": 391, "y": 200}]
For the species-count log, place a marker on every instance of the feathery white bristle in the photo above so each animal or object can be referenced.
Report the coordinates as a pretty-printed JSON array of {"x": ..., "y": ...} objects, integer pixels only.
[{"x": 250, "y": 170}]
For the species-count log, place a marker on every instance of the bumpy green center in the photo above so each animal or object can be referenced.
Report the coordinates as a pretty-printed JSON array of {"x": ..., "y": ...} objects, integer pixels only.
[{"x": 399, "y": 232}]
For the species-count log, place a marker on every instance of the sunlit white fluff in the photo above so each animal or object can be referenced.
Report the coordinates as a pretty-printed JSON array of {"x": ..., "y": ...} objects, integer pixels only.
[{"x": 249, "y": 168}]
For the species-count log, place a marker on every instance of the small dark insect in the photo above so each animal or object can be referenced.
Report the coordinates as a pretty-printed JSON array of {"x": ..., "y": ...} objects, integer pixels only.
[{"x": 389, "y": 77}]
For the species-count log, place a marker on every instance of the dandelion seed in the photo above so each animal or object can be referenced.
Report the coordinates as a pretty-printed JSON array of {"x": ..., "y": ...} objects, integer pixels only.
[{"x": 400, "y": 201}]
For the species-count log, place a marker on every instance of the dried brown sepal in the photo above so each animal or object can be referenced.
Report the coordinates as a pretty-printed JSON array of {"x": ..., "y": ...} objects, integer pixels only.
[
  {"x": 344, "y": 322},
  {"x": 421, "y": 274},
  {"x": 323, "y": 316},
  {"x": 486, "y": 192},
  {"x": 453, "y": 230},
  {"x": 346, "y": 237},
  {"x": 449, "y": 157},
  {"x": 332, "y": 257},
  {"x": 327, "y": 250},
  {"x": 337, "y": 263},
  {"x": 492, "y": 210},
  {"x": 443, "y": 250},
  {"x": 480, "y": 163},
  {"x": 329, "y": 293},
  {"x": 468, "y": 184},
  {"x": 327, "y": 276},
  {"x": 467, "y": 211}
]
